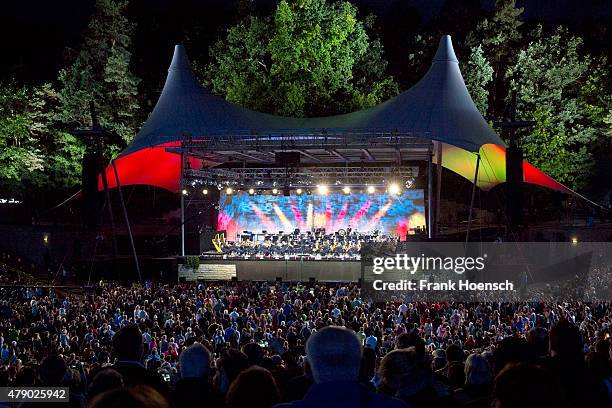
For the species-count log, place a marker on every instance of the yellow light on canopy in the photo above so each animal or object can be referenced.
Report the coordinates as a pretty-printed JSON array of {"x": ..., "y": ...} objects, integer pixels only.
[{"x": 492, "y": 169}]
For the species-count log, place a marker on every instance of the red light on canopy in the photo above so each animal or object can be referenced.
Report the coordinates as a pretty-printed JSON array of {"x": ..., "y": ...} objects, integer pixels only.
[{"x": 153, "y": 166}]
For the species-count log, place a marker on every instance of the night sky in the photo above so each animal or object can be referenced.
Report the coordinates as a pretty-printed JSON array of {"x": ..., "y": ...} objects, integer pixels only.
[{"x": 36, "y": 33}]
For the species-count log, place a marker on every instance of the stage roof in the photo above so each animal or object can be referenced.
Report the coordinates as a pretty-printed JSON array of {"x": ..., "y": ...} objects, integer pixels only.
[
  {"x": 438, "y": 107},
  {"x": 437, "y": 110}
]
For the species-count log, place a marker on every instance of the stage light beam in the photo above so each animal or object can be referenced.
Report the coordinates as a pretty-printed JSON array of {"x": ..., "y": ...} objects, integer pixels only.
[
  {"x": 322, "y": 189},
  {"x": 185, "y": 192},
  {"x": 298, "y": 191},
  {"x": 394, "y": 189},
  {"x": 251, "y": 191},
  {"x": 275, "y": 191},
  {"x": 205, "y": 192},
  {"x": 229, "y": 191},
  {"x": 371, "y": 190},
  {"x": 346, "y": 190}
]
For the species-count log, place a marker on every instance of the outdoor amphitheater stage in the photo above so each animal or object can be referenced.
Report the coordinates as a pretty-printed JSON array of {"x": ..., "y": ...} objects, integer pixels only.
[{"x": 294, "y": 270}]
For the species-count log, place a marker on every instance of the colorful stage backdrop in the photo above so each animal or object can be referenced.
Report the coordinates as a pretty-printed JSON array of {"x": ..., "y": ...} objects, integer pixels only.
[{"x": 362, "y": 212}]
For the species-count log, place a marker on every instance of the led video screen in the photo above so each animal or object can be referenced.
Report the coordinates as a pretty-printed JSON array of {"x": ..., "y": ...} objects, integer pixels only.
[{"x": 389, "y": 214}]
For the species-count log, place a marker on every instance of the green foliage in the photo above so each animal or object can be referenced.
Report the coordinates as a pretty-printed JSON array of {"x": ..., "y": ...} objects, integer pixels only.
[
  {"x": 20, "y": 155},
  {"x": 101, "y": 73},
  {"x": 310, "y": 58},
  {"x": 500, "y": 36},
  {"x": 500, "y": 33},
  {"x": 64, "y": 152},
  {"x": 559, "y": 89},
  {"x": 67, "y": 160},
  {"x": 34, "y": 151},
  {"x": 596, "y": 102},
  {"x": 478, "y": 74},
  {"x": 192, "y": 262}
]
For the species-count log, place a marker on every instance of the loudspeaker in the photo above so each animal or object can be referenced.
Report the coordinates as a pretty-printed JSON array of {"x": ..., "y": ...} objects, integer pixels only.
[
  {"x": 287, "y": 158},
  {"x": 192, "y": 243},
  {"x": 514, "y": 179},
  {"x": 89, "y": 187}
]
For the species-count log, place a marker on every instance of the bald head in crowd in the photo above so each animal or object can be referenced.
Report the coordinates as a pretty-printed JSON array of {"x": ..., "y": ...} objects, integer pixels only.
[
  {"x": 194, "y": 361},
  {"x": 334, "y": 354}
]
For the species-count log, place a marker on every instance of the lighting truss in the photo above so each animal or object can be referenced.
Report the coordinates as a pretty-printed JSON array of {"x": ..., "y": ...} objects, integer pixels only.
[
  {"x": 301, "y": 176},
  {"x": 315, "y": 148}
]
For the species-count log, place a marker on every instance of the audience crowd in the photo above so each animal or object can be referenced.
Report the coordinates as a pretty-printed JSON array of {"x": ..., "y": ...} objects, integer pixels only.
[{"x": 259, "y": 344}]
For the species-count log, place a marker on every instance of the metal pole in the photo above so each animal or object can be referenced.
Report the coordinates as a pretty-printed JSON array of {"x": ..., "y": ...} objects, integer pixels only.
[
  {"x": 127, "y": 221},
  {"x": 467, "y": 234},
  {"x": 438, "y": 189},
  {"x": 110, "y": 208},
  {"x": 182, "y": 203},
  {"x": 429, "y": 198}
]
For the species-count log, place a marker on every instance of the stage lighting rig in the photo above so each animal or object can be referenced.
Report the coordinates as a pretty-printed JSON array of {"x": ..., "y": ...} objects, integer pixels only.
[
  {"x": 229, "y": 191},
  {"x": 346, "y": 190},
  {"x": 371, "y": 189},
  {"x": 322, "y": 189}
]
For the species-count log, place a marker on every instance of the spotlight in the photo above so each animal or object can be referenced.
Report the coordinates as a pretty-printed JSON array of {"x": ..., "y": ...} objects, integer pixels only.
[
  {"x": 229, "y": 191},
  {"x": 298, "y": 191},
  {"x": 371, "y": 190},
  {"x": 346, "y": 190},
  {"x": 251, "y": 191},
  {"x": 205, "y": 191},
  {"x": 46, "y": 239},
  {"x": 322, "y": 189},
  {"x": 574, "y": 240},
  {"x": 275, "y": 191},
  {"x": 185, "y": 192},
  {"x": 394, "y": 189}
]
